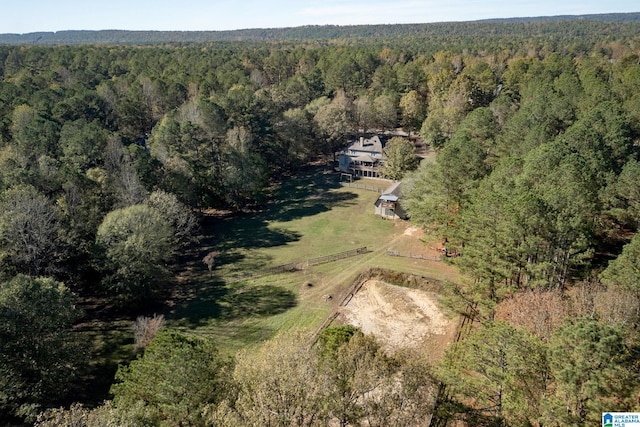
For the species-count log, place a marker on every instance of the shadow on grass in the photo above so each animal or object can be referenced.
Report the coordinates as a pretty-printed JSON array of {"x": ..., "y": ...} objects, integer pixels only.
[
  {"x": 110, "y": 348},
  {"x": 245, "y": 232},
  {"x": 306, "y": 194},
  {"x": 233, "y": 302},
  {"x": 235, "y": 236},
  {"x": 241, "y": 263}
]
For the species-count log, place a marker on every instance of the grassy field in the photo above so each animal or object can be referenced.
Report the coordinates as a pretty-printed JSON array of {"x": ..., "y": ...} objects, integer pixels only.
[{"x": 309, "y": 216}]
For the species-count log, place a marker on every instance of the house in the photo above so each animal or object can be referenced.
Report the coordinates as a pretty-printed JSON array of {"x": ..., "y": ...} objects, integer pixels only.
[
  {"x": 388, "y": 206},
  {"x": 363, "y": 157}
]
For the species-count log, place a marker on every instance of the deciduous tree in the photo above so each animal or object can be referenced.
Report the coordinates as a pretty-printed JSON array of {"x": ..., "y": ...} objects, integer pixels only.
[
  {"x": 354, "y": 373},
  {"x": 335, "y": 121},
  {"x": 277, "y": 385},
  {"x": 29, "y": 241},
  {"x": 39, "y": 354},
  {"x": 137, "y": 242},
  {"x": 175, "y": 378},
  {"x": 400, "y": 158}
]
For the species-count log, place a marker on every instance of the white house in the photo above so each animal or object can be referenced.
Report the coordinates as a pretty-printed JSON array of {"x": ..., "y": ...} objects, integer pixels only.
[{"x": 363, "y": 157}]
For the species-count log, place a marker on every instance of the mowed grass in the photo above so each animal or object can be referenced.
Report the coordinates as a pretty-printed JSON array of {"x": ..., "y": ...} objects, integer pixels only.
[{"x": 309, "y": 216}]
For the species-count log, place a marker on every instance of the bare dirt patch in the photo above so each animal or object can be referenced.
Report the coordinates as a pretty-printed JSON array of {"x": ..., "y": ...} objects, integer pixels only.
[{"x": 400, "y": 317}]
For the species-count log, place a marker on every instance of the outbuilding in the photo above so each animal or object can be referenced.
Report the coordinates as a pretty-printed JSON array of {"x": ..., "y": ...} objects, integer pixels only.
[{"x": 388, "y": 204}]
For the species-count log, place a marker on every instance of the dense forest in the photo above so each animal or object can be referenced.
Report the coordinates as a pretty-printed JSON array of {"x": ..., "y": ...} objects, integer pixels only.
[{"x": 109, "y": 154}]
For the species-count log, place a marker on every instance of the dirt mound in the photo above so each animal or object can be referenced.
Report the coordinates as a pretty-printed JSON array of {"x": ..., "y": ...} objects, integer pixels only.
[{"x": 400, "y": 317}]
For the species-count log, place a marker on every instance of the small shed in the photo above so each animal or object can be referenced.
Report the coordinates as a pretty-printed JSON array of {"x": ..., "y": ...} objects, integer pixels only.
[{"x": 388, "y": 204}]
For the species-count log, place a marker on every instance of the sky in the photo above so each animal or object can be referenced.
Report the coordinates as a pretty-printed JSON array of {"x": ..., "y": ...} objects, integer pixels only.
[{"x": 26, "y": 16}]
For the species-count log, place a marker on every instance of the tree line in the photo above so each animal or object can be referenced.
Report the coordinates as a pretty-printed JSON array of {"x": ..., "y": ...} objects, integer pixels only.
[
  {"x": 526, "y": 28},
  {"x": 532, "y": 193},
  {"x": 107, "y": 154}
]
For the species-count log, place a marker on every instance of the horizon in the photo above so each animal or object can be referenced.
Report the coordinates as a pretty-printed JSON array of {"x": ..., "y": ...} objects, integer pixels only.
[
  {"x": 40, "y": 16},
  {"x": 328, "y": 25}
]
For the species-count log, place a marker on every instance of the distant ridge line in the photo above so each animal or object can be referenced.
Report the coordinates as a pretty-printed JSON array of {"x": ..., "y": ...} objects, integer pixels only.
[{"x": 308, "y": 32}]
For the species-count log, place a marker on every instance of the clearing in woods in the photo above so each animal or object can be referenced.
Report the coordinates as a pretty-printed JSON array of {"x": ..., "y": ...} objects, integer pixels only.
[{"x": 309, "y": 216}]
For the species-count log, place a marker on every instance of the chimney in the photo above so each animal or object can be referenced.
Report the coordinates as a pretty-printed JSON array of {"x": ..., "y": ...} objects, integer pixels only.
[{"x": 362, "y": 142}]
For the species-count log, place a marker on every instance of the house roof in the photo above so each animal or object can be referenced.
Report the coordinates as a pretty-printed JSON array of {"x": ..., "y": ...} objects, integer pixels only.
[
  {"x": 364, "y": 158},
  {"x": 393, "y": 190},
  {"x": 367, "y": 145},
  {"x": 392, "y": 194}
]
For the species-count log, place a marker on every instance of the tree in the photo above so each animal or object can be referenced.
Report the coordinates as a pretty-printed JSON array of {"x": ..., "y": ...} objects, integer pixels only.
[
  {"x": 297, "y": 142},
  {"x": 182, "y": 221},
  {"x": 624, "y": 271},
  {"x": 295, "y": 92},
  {"x": 39, "y": 354},
  {"x": 122, "y": 176},
  {"x": 34, "y": 134},
  {"x": 277, "y": 385},
  {"x": 560, "y": 219},
  {"x": 479, "y": 83},
  {"x": 384, "y": 80},
  {"x": 363, "y": 113},
  {"x": 189, "y": 148},
  {"x": 137, "y": 242},
  {"x": 479, "y": 129},
  {"x": 244, "y": 172},
  {"x": 428, "y": 200},
  {"x": 356, "y": 373},
  {"x": 400, "y": 158},
  {"x": 498, "y": 371},
  {"x": 413, "y": 110},
  {"x": 489, "y": 233},
  {"x": 541, "y": 312},
  {"x": 591, "y": 367},
  {"x": 335, "y": 121},
  {"x": 345, "y": 376},
  {"x": 28, "y": 232},
  {"x": 175, "y": 378},
  {"x": 82, "y": 144},
  {"x": 463, "y": 164},
  {"x": 624, "y": 195},
  {"x": 385, "y": 112}
]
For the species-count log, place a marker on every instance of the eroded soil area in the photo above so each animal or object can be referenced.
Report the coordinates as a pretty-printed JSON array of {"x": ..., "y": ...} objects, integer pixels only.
[{"x": 401, "y": 317}]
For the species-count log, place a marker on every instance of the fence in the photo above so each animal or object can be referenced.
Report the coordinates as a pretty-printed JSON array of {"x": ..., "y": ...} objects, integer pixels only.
[
  {"x": 353, "y": 289},
  {"x": 284, "y": 268},
  {"x": 297, "y": 266},
  {"x": 392, "y": 252},
  {"x": 362, "y": 187},
  {"x": 468, "y": 317},
  {"x": 335, "y": 257}
]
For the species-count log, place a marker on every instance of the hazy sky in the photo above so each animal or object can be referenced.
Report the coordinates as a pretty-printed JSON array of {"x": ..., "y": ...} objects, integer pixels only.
[{"x": 24, "y": 16}]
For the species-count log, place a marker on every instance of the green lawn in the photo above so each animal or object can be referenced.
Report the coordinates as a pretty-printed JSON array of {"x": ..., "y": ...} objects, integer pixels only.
[{"x": 309, "y": 216}]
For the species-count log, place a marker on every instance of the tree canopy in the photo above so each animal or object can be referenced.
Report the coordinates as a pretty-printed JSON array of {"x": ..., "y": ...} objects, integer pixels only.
[{"x": 39, "y": 354}]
